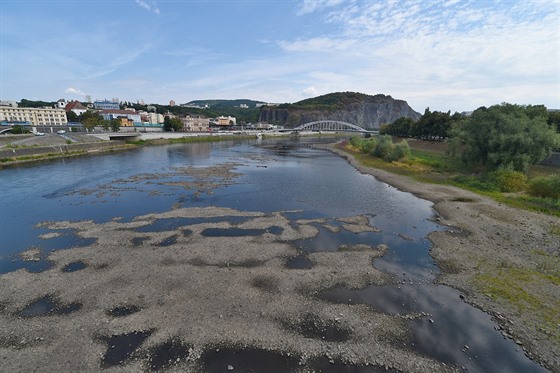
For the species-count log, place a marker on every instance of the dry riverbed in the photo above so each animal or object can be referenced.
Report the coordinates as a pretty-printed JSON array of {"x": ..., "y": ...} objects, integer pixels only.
[
  {"x": 207, "y": 289},
  {"x": 506, "y": 261}
]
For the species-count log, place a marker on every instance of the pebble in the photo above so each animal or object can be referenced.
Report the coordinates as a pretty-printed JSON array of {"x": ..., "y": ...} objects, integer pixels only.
[{"x": 229, "y": 367}]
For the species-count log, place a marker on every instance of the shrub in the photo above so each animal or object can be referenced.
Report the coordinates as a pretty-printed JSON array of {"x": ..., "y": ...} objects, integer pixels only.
[
  {"x": 547, "y": 187},
  {"x": 383, "y": 147},
  {"x": 508, "y": 180},
  {"x": 356, "y": 141},
  {"x": 399, "y": 151},
  {"x": 476, "y": 183},
  {"x": 368, "y": 145}
]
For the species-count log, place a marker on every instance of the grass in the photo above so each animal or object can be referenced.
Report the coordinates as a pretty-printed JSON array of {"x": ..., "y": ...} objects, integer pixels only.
[
  {"x": 436, "y": 167},
  {"x": 513, "y": 285}
]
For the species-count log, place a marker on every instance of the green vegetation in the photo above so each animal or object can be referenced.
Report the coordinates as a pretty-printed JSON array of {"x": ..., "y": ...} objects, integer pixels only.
[
  {"x": 506, "y": 135},
  {"x": 39, "y": 157},
  {"x": 331, "y": 101},
  {"x": 382, "y": 147},
  {"x": 17, "y": 129},
  {"x": 172, "y": 124},
  {"x": 536, "y": 190},
  {"x": 546, "y": 187},
  {"x": 432, "y": 126},
  {"x": 493, "y": 152},
  {"x": 513, "y": 285},
  {"x": 90, "y": 119},
  {"x": 35, "y": 104}
]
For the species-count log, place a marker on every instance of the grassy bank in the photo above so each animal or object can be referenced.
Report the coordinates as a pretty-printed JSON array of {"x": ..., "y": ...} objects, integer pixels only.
[{"x": 430, "y": 163}]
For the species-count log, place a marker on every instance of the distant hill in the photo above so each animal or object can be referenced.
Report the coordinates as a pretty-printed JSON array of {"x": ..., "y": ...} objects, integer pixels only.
[
  {"x": 364, "y": 110},
  {"x": 219, "y": 104}
]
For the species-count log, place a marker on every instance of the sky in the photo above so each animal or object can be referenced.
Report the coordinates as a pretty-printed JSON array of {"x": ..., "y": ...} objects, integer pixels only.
[{"x": 453, "y": 55}]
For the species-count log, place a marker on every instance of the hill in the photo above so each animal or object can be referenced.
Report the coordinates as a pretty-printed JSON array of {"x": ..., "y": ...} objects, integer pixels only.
[
  {"x": 219, "y": 104},
  {"x": 364, "y": 110}
]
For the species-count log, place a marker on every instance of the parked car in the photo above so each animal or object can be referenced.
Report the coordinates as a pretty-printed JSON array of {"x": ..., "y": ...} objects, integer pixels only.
[
  {"x": 39, "y": 134},
  {"x": 60, "y": 132}
]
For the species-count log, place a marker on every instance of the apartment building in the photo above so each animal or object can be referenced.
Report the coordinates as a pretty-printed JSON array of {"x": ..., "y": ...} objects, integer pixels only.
[
  {"x": 106, "y": 105},
  {"x": 226, "y": 121},
  {"x": 117, "y": 114},
  {"x": 195, "y": 123},
  {"x": 33, "y": 116}
]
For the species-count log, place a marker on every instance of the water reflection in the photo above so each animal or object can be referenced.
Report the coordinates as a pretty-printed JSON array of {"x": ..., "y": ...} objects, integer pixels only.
[{"x": 447, "y": 329}]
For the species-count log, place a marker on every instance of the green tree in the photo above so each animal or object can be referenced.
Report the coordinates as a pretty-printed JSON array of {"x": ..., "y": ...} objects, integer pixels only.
[
  {"x": 71, "y": 116},
  {"x": 115, "y": 125},
  {"x": 167, "y": 127},
  {"x": 400, "y": 127},
  {"x": 17, "y": 129},
  {"x": 90, "y": 119},
  {"x": 172, "y": 124},
  {"x": 90, "y": 123},
  {"x": 105, "y": 123},
  {"x": 506, "y": 136},
  {"x": 176, "y": 124},
  {"x": 554, "y": 119}
]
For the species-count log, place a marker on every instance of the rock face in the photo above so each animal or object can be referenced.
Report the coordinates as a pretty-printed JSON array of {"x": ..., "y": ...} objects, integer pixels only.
[{"x": 366, "y": 111}]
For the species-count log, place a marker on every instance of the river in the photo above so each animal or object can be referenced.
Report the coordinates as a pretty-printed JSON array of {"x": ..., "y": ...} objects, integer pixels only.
[{"x": 257, "y": 177}]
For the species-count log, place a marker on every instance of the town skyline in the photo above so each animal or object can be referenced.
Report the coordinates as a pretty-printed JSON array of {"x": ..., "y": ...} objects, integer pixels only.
[{"x": 445, "y": 54}]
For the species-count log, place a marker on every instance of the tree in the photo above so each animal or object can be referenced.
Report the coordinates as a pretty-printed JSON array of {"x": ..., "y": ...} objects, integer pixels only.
[
  {"x": 90, "y": 123},
  {"x": 167, "y": 124},
  {"x": 71, "y": 116},
  {"x": 554, "y": 119},
  {"x": 506, "y": 136},
  {"x": 176, "y": 124},
  {"x": 90, "y": 119},
  {"x": 115, "y": 125},
  {"x": 105, "y": 123},
  {"x": 17, "y": 129},
  {"x": 400, "y": 127},
  {"x": 172, "y": 124}
]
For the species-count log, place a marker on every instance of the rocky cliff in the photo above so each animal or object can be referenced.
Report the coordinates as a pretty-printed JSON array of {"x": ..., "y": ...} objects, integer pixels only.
[{"x": 366, "y": 111}]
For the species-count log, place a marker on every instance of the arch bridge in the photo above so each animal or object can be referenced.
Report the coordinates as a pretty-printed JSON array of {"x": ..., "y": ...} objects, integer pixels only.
[{"x": 331, "y": 125}]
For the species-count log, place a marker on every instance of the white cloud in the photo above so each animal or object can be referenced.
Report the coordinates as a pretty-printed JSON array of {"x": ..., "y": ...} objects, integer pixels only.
[
  {"x": 74, "y": 91},
  {"x": 310, "y": 6},
  {"x": 310, "y": 92},
  {"x": 152, "y": 7},
  {"x": 320, "y": 44},
  {"x": 444, "y": 54}
]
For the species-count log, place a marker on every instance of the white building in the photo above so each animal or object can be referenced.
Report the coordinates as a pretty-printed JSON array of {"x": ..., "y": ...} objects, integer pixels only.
[
  {"x": 149, "y": 118},
  {"x": 195, "y": 123},
  {"x": 9, "y": 103},
  {"x": 33, "y": 116},
  {"x": 226, "y": 121}
]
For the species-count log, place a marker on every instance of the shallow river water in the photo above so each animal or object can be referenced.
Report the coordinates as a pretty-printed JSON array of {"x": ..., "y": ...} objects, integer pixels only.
[{"x": 270, "y": 175}]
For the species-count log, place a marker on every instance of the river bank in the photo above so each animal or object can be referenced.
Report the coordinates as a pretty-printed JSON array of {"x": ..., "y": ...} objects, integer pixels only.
[
  {"x": 504, "y": 260},
  {"x": 18, "y": 149}
]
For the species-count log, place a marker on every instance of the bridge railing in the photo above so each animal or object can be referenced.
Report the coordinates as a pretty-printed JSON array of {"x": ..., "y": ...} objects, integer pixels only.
[{"x": 330, "y": 125}]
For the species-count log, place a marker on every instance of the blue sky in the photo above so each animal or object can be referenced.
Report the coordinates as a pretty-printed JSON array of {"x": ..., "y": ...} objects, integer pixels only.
[{"x": 444, "y": 54}]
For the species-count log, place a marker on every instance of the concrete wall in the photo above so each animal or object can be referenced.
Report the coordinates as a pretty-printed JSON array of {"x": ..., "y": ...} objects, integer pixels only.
[{"x": 60, "y": 149}]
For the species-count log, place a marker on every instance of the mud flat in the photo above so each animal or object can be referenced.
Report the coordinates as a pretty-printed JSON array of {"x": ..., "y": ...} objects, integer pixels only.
[{"x": 506, "y": 261}]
